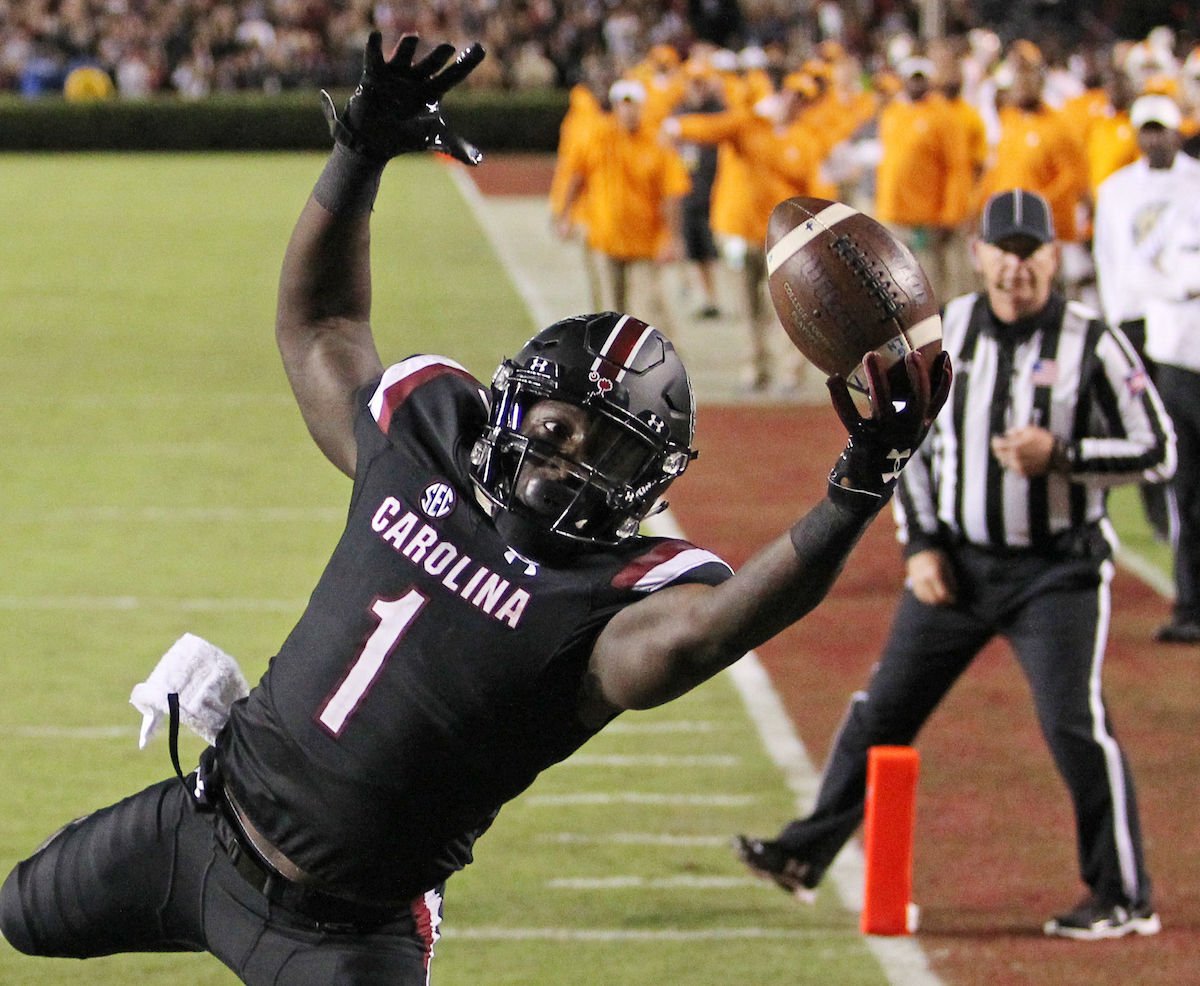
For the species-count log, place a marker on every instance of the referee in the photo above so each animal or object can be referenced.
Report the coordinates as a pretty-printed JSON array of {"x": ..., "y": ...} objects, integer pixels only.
[{"x": 1002, "y": 518}]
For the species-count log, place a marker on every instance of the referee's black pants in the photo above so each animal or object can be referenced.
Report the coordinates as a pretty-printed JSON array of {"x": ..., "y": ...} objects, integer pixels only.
[
  {"x": 149, "y": 874},
  {"x": 1055, "y": 614}
]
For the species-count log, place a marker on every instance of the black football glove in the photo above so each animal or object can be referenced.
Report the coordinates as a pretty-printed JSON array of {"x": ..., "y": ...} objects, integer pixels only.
[
  {"x": 396, "y": 108},
  {"x": 863, "y": 478}
]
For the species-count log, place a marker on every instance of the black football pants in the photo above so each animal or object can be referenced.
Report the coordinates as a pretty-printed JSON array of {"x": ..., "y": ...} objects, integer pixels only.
[
  {"x": 1055, "y": 614},
  {"x": 148, "y": 875}
]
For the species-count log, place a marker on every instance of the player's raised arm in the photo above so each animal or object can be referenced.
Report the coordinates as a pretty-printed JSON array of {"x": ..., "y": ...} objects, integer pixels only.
[
  {"x": 659, "y": 648},
  {"x": 323, "y": 316}
]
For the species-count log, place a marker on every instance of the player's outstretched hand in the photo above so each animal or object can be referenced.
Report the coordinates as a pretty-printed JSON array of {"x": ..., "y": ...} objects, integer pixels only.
[
  {"x": 863, "y": 477},
  {"x": 396, "y": 108}
]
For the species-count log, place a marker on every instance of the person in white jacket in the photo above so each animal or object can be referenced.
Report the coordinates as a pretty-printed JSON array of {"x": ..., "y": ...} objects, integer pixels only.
[{"x": 1147, "y": 252}]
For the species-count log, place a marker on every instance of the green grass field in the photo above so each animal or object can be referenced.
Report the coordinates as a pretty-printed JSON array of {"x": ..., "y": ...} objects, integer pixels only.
[{"x": 158, "y": 480}]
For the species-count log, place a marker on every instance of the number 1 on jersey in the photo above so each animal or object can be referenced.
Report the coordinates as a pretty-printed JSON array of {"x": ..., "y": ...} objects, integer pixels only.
[{"x": 395, "y": 615}]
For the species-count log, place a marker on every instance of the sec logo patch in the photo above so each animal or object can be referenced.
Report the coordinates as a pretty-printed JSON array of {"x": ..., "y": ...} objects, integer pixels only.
[{"x": 438, "y": 500}]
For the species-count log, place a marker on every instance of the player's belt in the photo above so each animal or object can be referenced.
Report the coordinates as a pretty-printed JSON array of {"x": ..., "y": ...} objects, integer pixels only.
[
  {"x": 281, "y": 881},
  {"x": 268, "y": 853},
  {"x": 263, "y": 865}
]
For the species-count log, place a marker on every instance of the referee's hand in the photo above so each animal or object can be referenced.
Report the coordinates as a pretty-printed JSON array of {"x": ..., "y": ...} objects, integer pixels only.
[
  {"x": 929, "y": 575},
  {"x": 1027, "y": 451}
]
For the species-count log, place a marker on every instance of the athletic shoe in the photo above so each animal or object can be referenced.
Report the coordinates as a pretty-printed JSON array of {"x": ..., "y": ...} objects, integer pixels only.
[
  {"x": 1093, "y": 920},
  {"x": 768, "y": 862},
  {"x": 1187, "y": 632}
]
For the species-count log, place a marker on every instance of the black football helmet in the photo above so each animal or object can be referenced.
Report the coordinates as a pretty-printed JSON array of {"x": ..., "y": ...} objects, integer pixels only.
[{"x": 590, "y": 423}]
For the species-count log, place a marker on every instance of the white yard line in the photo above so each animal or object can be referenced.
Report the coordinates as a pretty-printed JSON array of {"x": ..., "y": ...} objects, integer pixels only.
[
  {"x": 637, "y": 882},
  {"x": 126, "y": 603},
  {"x": 599, "y": 799},
  {"x": 94, "y": 514},
  {"x": 669, "y": 726},
  {"x": 634, "y": 839},
  {"x": 656, "y": 761},
  {"x": 507, "y": 934},
  {"x": 70, "y": 732},
  {"x": 151, "y": 402}
]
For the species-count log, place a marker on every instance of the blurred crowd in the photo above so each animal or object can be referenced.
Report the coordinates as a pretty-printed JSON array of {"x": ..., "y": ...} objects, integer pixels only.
[
  {"x": 918, "y": 135},
  {"x": 136, "y": 48}
]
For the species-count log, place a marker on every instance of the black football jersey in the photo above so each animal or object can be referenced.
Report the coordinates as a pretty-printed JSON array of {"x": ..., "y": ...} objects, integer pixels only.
[{"x": 435, "y": 671}]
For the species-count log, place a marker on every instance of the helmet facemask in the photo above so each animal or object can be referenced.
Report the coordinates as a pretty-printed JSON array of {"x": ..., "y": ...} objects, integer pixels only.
[{"x": 566, "y": 453}]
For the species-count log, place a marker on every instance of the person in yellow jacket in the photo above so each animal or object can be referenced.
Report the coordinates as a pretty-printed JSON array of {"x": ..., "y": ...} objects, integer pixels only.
[
  {"x": 586, "y": 110},
  {"x": 949, "y": 57},
  {"x": 1111, "y": 141},
  {"x": 1093, "y": 102},
  {"x": 853, "y": 104},
  {"x": 661, "y": 72},
  {"x": 766, "y": 154},
  {"x": 824, "y": 113},
  {"x": 634, "y": 183},
  {"x": 924, "y": 180},
  {"x": 1038, "y": 151},
  {"x": 948, "y": 62}
]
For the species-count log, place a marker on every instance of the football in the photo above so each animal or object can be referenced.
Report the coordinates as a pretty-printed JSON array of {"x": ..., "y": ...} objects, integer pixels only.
[{"x": 843, "y": 286}]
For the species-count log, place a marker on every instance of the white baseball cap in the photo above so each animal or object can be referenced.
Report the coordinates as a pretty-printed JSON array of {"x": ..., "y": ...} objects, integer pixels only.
[
  {"x": 1155, "y": 109},
  {"x": 915, "y": 66},
  {"x": 627, "y": 90}
]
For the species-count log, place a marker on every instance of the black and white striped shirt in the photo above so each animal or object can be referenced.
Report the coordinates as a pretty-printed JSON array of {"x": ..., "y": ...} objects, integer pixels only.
[{"x": 1063, "y": 370}]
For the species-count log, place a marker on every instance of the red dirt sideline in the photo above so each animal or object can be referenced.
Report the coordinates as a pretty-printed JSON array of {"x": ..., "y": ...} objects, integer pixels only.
[
  {"x": 514, "y": 174},
  {"x": 994, "y": 854}
]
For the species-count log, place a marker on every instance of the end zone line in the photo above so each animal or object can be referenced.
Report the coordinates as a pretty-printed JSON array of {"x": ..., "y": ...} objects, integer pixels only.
[
  {"x": 1146, "y": 571},
  {"x": 530, "y": 289}
]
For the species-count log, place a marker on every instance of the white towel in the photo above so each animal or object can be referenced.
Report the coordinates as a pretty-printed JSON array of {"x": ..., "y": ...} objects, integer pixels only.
[{"x": 206, "y": 679}]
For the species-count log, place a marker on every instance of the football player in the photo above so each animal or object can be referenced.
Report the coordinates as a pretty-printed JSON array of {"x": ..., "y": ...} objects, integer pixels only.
[{"x": 490, "y": 606}]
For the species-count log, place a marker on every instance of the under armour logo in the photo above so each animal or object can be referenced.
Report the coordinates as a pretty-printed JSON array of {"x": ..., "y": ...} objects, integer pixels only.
[
  {"x": 656, "y": 423},
  {"x": 898, "y": 458},
  {"x": 512, "y": 556},
  {"x": 539, "y": 365}
]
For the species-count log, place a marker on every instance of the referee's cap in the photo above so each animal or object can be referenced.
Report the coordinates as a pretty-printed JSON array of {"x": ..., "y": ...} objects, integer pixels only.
[{"x": 1019, "y": 212}]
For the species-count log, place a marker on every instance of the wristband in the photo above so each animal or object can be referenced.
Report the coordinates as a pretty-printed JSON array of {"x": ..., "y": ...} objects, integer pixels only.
[
  {"x": 349, "y": 183},
  {"x": 860, "y": 502}
]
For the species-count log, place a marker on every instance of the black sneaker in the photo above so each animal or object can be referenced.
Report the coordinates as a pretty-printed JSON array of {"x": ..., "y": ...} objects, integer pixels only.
[
  {"x": 1093, "y": 920},
  {"x": 768, "y": 862},
  {"x": 1186, "y": 632}
]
